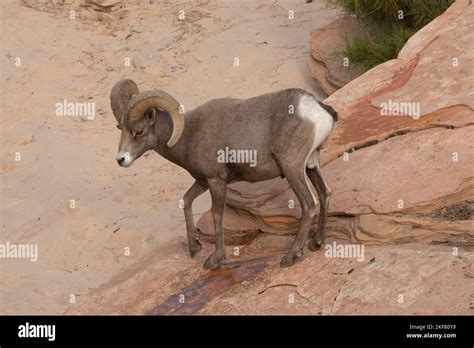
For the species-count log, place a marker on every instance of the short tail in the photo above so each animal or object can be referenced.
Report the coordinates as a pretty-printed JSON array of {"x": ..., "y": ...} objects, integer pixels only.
[{"x": 329, "y": 109}]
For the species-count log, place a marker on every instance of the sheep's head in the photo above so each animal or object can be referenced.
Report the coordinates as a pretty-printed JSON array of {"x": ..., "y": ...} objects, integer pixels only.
[{"x": 136, "y": 115}]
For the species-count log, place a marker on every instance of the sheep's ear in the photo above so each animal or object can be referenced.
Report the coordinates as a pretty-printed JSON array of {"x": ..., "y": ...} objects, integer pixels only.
[{"x": 150, "y": 116}]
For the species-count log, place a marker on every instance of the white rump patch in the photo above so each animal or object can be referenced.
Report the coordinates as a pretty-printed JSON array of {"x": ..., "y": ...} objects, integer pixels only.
[{"x": 309, "y": 109}]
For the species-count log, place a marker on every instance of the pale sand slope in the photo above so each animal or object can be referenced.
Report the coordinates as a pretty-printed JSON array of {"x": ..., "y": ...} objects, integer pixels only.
[{"x": 64, "y": 158}]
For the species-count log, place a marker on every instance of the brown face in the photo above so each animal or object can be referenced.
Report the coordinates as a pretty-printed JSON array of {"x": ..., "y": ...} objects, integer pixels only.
[{"x": 136, "y": 139}]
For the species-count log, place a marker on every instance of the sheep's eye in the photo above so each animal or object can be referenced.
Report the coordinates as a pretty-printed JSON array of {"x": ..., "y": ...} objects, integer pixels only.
[{"x": 118, "y": 127}]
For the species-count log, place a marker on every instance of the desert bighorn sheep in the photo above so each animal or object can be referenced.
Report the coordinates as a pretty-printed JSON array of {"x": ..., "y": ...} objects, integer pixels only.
[{"x": 286, "y": 129}]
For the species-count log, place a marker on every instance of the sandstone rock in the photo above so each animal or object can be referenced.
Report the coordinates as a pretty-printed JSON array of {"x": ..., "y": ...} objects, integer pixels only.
[
  {"x": 239, "y": 228},
  {"x": 390, "y": 280},
  {"x": 423, "y": 73},
  {"x": 327, "y": 45},
  {"x": 268, "y": 206},
  {"x": 272, "y": 201},
  {"x": 267, "y": 243},
  {"x": 393, "y": 229},
  {"x": 409, "y": 173},
  {"x": 431, "y": 279},
  {"x": 243, "y": 193}
]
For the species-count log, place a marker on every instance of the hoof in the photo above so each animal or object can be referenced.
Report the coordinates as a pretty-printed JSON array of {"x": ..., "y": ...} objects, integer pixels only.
[
  {"x": 289, "y": 260},
  {"x": 213, "y": 262},
  {"x": 314, "y": 244},
  {"x": 195, "y": 249}
]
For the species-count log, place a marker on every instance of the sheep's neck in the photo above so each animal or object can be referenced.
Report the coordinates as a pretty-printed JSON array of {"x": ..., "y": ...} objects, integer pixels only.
[{"x": 164, "y": 129}]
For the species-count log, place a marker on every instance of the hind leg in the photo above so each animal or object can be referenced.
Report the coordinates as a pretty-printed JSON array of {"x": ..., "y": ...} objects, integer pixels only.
[
  {"x": 323, "y": 194},
  {"x": 299, "y": 184}
]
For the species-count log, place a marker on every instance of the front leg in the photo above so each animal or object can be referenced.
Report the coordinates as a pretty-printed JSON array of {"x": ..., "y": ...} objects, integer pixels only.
[
  {"x": 217, "y": 187},
  {"x": 194, "y": 191}
]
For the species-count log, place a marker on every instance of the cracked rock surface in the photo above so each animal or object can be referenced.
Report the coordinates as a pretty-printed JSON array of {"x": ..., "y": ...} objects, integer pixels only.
[{"x": 390, "y": 279}]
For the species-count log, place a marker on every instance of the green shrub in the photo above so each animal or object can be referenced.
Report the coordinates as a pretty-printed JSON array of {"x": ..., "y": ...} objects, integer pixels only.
[
  {"x": 388, "y": 32},
  {"x": 378, "y": 11},
  {"x": 420, "y": 13},
  {"x": 384, "y": 44}
]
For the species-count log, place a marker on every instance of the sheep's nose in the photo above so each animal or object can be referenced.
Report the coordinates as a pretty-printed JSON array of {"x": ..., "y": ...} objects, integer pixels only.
[{"x": 120, "y": 160}]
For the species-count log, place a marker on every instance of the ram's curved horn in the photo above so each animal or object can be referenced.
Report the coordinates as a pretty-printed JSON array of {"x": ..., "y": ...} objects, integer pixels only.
[
  {"x": 120, "y": 96},
  {"x": 161, "y": 100}
]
